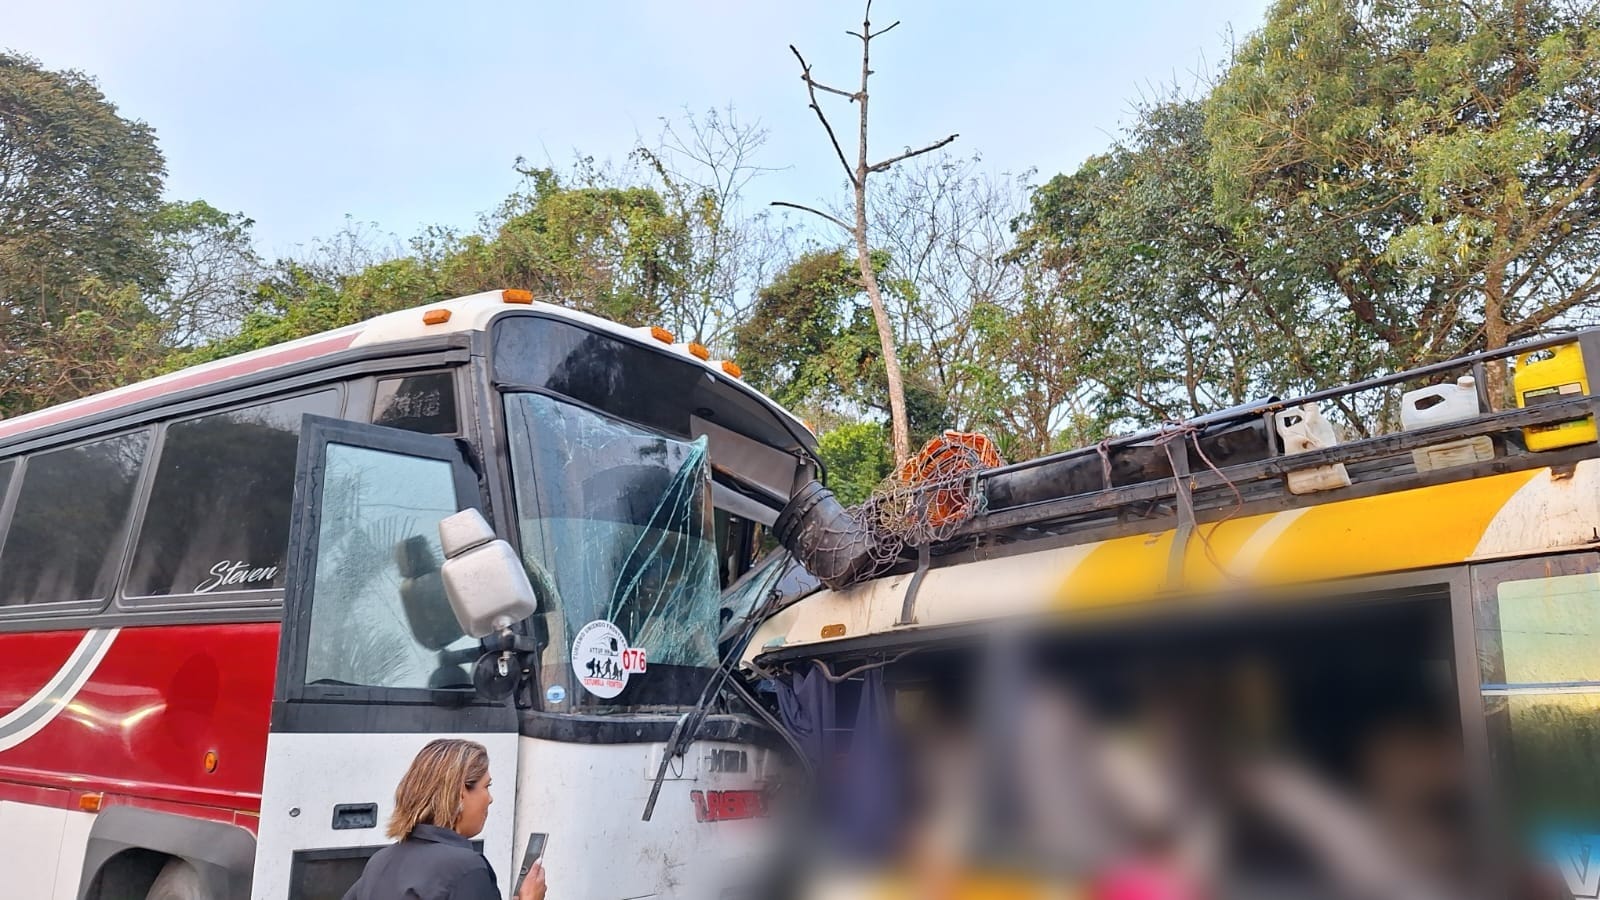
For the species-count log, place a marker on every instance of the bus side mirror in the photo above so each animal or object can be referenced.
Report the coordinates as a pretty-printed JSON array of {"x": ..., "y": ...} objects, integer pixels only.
[{"x": 485, "y": 581}]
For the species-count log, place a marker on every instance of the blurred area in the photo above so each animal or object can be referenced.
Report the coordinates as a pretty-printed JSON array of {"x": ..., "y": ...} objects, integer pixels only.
[{"x": 1266, "y": 751}]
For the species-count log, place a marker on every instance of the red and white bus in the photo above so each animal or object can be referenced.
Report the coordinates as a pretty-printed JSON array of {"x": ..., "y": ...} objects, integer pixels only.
[{"x": 220, "y": 649}]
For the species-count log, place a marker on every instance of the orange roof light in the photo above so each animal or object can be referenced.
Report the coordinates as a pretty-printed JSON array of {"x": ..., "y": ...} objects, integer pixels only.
[
  {"x": 436, "y": 317},
  {"x": 732, "y": 368},
  {"x": 513, "y": 295},
  {"x": 662, "y": 335},
  {"x": 699, "y": 351}
]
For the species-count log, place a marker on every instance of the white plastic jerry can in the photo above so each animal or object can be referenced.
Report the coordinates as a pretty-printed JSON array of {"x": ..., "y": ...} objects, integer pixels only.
[
  {"x": 1303, "y": 429},
  {"x": 1437, "y": 405}
]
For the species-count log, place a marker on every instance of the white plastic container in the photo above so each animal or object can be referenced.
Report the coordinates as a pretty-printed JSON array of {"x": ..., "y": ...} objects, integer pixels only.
[
  {"x": 1302, "y": 429},
  {"x": 1438, "y": 405}
]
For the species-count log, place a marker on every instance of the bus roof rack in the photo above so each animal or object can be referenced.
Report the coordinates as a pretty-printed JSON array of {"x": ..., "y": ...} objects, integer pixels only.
[{"x": 1231, "y": 462}]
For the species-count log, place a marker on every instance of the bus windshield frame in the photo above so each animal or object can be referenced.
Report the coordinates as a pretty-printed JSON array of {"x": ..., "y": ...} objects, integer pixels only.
[{"x": 609, "y": 474}]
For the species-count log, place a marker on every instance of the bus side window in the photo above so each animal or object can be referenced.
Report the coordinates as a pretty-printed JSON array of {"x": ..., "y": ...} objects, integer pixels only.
[
  {"x": 424, "y": 403},
  {"x": 67, "y": 529},
  {"x": 1539, "y": 659},
  {"x": 218, "y": 517}
]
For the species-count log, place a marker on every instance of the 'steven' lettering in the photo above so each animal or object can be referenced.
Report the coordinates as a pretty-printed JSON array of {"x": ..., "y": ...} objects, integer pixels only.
[{"x": 229, "y": 573}]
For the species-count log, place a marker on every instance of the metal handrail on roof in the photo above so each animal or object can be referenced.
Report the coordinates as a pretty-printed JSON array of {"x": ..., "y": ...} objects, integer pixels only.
[{"x": 1178, "y": 484}]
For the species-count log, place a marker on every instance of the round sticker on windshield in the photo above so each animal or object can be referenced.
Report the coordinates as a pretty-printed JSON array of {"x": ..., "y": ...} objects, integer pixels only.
[{"x": 602, "y": 659}]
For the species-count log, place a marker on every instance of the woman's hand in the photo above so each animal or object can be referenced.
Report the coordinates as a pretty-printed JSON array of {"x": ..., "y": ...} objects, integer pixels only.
[{"x": 533, "y": 885}]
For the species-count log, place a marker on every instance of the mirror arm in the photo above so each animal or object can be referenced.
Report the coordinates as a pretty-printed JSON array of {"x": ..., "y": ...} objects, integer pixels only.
[{"x": 510, "y": 641}]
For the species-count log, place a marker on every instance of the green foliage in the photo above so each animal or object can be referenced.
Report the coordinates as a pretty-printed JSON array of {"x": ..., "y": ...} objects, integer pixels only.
[
  {"x": 100, "y": 281},
  {"x": 78, "y": 187},
  {"x": 1135, "y": 288},
  {"x": 1438, "y": 159},
  {"x": 81, "y": 185},
  {"x": 612, "y": 251},
  {"x": 808, "y": 338},
  {"x": 858, "y": 458},
  {"x": 618, "y": 252},
  {"x": 1367, "y": 186}
]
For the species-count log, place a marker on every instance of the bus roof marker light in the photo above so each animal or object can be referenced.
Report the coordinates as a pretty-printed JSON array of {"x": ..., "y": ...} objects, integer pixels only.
[
  {"x": 436, "y": 317},
  {"x": 662, "y": 335},
  {"x": 732, "y": 368},
  {"x": 699, "y": 351},
  {"x": 516, "y": 295}
]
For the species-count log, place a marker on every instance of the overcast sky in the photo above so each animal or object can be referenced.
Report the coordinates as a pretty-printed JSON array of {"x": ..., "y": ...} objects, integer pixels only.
[{"x": 407, "y": 114}]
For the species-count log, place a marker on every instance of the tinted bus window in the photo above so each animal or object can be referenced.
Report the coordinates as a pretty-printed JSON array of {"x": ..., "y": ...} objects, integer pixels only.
[
  {"x": 218, "y": 517},
  {"x": 65, "y": 539},
  {"x": 425, "y": 403},
  {"x": 5, "y": 482}
]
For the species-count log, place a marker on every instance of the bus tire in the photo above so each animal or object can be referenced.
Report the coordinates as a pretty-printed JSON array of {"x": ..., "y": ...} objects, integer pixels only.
[{"x": 178, "y": 881}]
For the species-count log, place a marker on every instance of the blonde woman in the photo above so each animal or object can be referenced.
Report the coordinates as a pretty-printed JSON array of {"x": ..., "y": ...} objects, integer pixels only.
[{"x": 440, "y": 805}]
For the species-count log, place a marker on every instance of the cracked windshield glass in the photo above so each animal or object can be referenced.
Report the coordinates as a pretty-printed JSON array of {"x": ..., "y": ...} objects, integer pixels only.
[{"x": 620, "y": 520}]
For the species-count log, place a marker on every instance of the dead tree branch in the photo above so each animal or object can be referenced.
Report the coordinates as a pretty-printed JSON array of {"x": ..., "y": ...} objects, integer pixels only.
[
  {"x": 898, "y": 416},
  {"x": 811, "y": 89},
  {"x": 882, "y": 166},
  {"x": 816, "y": 212}
]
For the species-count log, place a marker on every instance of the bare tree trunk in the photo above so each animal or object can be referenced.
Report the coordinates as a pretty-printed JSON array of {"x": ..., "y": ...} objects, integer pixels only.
[
  {"x": 899, "y": 422},
  {"x": 1495, "y": 331}
]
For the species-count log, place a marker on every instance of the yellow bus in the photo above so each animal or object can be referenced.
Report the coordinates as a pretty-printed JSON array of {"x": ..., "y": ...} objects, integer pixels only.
[{"x": 1281, "y": 660}]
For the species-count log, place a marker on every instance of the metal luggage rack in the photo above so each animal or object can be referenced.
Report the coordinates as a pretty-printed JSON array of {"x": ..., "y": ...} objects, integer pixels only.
[{"x": 1076, "y": 496}]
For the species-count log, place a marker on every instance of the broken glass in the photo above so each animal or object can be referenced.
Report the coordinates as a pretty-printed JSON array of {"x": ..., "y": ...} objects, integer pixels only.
[{"x": 621, "y": 519}]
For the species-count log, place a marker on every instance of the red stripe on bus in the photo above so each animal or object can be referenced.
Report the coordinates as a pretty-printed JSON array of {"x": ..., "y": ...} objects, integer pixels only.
[
  {"x": 145, "y": 391},
  {"x": 61, "y": 786},
  {"x": 140, "y": 728}
]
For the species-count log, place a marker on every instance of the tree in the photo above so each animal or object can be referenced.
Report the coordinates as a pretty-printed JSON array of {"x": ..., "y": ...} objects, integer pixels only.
[
  {"x": 1449, "y": 150},
  {"x": 78, "y": 186},
  {"x": 616, "y": 251},
  {"x": 806, "y": 341},
  {"x": 857, "y": 457},
  {"x": 1141, "y": 307},
  {"x": 103, "y": 339},
  {"x": 702, "y": 166},
  {"x": 858, "y": 175},
  {"x": 209, "y": 269},
  {"x": 943, "y": 225}
]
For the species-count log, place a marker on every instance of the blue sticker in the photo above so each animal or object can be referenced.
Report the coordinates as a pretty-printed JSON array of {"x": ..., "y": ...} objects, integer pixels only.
[
  {"x": 1577, "y": 856},
  {"x": 555, "y": 693}
]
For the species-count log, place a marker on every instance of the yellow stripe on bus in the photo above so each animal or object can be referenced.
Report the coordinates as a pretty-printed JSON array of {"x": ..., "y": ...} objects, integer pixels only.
[
  {"x": 1416, "y": 529},
  {"x": 1424, "y": 527}
]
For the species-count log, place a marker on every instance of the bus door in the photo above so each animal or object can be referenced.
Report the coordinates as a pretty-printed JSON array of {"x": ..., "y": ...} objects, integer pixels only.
[{"x": 372, "y": 664}]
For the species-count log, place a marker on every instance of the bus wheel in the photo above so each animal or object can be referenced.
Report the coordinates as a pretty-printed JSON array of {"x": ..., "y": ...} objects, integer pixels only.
[{"x": 178, "y": 881}]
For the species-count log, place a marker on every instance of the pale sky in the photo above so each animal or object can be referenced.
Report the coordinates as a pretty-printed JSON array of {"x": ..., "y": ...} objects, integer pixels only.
[{"x": 407, "y": 114}]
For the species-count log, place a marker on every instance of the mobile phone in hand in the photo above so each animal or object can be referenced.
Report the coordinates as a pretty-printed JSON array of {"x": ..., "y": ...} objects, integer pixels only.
[{"x": 533, "y": 854}]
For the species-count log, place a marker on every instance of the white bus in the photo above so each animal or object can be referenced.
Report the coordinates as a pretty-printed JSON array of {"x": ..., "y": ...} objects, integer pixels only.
[{"x": 226, "y": 637}]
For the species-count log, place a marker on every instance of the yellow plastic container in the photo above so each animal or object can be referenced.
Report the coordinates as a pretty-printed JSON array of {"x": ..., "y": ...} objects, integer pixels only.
[{"x": 1560, "y": 377}]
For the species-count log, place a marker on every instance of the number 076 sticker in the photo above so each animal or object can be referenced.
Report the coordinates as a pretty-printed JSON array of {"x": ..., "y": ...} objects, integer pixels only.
[{"x": 603, "y": 661}]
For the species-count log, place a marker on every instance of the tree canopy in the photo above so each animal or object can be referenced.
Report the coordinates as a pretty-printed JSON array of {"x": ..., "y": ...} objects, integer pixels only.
[{"x": 1362, "y": 186}]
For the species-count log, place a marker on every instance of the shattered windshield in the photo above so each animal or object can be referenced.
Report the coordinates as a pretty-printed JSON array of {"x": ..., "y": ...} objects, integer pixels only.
[{"x": 620, "y": 519}]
